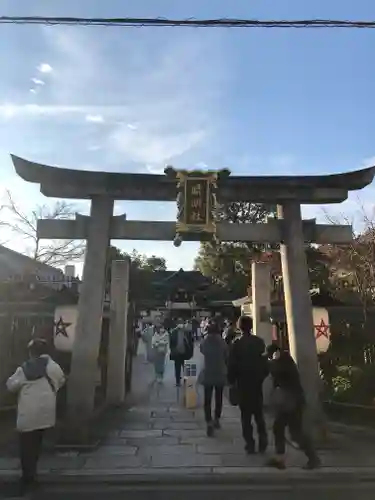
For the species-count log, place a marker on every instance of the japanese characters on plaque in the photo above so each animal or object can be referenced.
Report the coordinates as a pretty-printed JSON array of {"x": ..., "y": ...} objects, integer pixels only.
[{"x": 197, "y": 206}]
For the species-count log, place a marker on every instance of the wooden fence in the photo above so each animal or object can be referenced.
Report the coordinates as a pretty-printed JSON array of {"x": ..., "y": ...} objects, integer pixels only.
[{"x": 17, "y": 328}]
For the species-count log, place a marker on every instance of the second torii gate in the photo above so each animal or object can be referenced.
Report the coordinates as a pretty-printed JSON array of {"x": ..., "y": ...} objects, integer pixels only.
[{"x": 103, "y": 188}]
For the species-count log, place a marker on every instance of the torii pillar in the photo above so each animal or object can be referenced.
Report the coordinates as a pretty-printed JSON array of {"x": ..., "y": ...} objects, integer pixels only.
[
  {"x": 261, "y": 304},
  {"x": 298, "y": 307},
  {"x": 84, "y": 364},
  {"x": 118, "y": 333}
]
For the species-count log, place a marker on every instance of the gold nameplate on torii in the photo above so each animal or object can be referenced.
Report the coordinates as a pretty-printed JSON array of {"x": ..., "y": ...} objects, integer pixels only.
[{"x": 196, "y": 203}]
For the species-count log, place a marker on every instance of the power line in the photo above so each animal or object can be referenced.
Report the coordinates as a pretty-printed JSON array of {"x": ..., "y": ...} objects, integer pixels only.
[{"x": 187, "y": 23}]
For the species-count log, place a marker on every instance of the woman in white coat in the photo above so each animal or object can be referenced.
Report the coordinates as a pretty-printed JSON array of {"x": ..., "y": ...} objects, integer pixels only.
[
  {"x": 36, "y": 382},
  {"x": 160, "y": 344}
]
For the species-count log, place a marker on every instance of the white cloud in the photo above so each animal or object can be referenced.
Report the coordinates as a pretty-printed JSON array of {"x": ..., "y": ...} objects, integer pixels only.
[
  {"x": 37, "y": 81},
  {"x": 166, "y": 98},
  {"x": 155, "y": 170},
  {"x": 45, "y": 68},
  {"x": 33, "y": 91},
  {"x": 153, "y": 147},
  {"x": 201, "y": 165},
  {"x": 9, "y": 110},
  {"x": 94, "y": 118},
  {"x": 368, "y": 162}
]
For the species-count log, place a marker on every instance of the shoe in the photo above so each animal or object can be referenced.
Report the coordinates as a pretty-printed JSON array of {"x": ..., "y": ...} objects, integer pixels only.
[
  {"x": 263, "y": 445},
  {"x": 26, "y": 487},
  {"x": 276, "y": 462},
  {"x": 210, "y": 430},
  {"x": 312, "y": 463},
  {"x": 217, "y": 424},
  {"x": 250, "y": 449}
]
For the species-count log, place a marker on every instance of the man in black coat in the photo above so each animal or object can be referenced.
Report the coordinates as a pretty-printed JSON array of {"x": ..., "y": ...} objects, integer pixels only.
[
  {"x": 247, "y": 370},
  {"x": 181, "y": 344}
]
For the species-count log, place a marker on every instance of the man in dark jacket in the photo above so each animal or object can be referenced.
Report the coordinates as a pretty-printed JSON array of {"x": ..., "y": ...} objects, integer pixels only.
[
  {"x": 181, "y": 345},
  {"x": 247, "y": 370}
]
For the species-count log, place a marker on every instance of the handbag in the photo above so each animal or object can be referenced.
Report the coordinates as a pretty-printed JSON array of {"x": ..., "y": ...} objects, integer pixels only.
[
  {"x": 201, "y": 376},
  {"x": 233, "y": 395}
]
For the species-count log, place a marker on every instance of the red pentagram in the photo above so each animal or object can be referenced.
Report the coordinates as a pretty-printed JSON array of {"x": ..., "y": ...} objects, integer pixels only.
[{"x": 322, "y": 330}]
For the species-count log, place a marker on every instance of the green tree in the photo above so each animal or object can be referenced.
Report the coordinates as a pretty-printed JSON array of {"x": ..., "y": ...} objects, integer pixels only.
[
  {"x": 138, "y": 260},
  {"x": 229, "y": 263},
  {"x": 319, "y": 268}
]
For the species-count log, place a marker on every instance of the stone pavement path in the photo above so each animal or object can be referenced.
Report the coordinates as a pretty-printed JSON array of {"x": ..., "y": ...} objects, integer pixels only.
[{"x": 157, "y": 435}]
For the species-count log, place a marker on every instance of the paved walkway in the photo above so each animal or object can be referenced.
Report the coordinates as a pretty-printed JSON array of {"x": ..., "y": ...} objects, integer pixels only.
[{"x": 158, "y": 436}]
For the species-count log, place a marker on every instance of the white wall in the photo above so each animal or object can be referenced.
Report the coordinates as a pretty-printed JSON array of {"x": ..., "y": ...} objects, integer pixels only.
[
  {"x": 68, "y": 315},
  {"x": 321, "y": 325}
]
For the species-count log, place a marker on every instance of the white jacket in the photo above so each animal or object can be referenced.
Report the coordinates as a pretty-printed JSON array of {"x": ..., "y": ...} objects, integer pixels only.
[
  {"x": 160, "y": 341},
  {"x": 36, "y": 399}
]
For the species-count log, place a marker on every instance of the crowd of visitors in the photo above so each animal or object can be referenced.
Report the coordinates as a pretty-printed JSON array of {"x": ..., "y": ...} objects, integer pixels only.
[{"x": 233, "y": 357}]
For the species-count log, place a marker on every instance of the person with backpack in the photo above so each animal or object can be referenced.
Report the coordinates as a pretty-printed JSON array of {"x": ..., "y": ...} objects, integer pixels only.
[
  {"x": 288, "y": 401},
  {"x": 36, "y": 382},
  {"x": 181, "y": 344}
]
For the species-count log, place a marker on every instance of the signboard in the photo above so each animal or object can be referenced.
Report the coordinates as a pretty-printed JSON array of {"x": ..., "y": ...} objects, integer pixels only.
[
  {"x": 64, "y": 329},
  {"x": 190, "y": 370},
  {"x": 197, "y": 204},
  {"x": 321, "y": 328}
]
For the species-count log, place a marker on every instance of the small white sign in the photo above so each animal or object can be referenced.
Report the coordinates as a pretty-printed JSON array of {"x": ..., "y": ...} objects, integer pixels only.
[
  {"x": 321, "y": 328},
  {"x": 64, "y": 327}
]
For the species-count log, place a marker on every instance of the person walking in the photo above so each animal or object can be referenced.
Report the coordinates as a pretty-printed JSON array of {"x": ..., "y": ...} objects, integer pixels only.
[
  {"x": 160, "y": 342},
  {"x": 195, "y": 327},
  {"x": 247, "y": 370},
  {"x": 288, "y": 401},
  {"x": 36, "y": 382},
  {"x": 213, "y": 376},
  {"x": 181, "y": 345},
  {"x": 146, "y": 336},
  {"x": 230, "y": 333}
]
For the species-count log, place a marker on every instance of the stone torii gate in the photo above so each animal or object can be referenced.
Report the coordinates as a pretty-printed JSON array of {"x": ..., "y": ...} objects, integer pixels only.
[{"x": 103, "y": 188}]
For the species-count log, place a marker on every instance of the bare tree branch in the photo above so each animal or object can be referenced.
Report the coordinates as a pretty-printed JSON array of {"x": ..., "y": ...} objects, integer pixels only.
[
  {"x": 353, "y": 265},
  {"x": 52, "y": 252}
]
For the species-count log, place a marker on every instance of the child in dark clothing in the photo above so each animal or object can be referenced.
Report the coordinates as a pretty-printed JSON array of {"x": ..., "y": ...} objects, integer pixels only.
[{"x": 289, "y": 403}]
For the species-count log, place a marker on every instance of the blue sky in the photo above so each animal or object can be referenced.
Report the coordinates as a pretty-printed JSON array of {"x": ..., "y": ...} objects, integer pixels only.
[{"x": 257, "y": 101}]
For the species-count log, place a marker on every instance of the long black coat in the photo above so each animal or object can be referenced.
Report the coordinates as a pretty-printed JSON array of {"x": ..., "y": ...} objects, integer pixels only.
[
  {"x": 285, "y": 375},
  {"x": 188, "y": 345},
  {"x": 248, "y": 367}
]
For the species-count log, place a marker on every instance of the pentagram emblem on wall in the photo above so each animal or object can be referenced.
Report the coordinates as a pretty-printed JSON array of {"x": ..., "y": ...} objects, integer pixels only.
[
  {"x": 60, "y": 328},
  {"x": 322, "y": 330}
]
